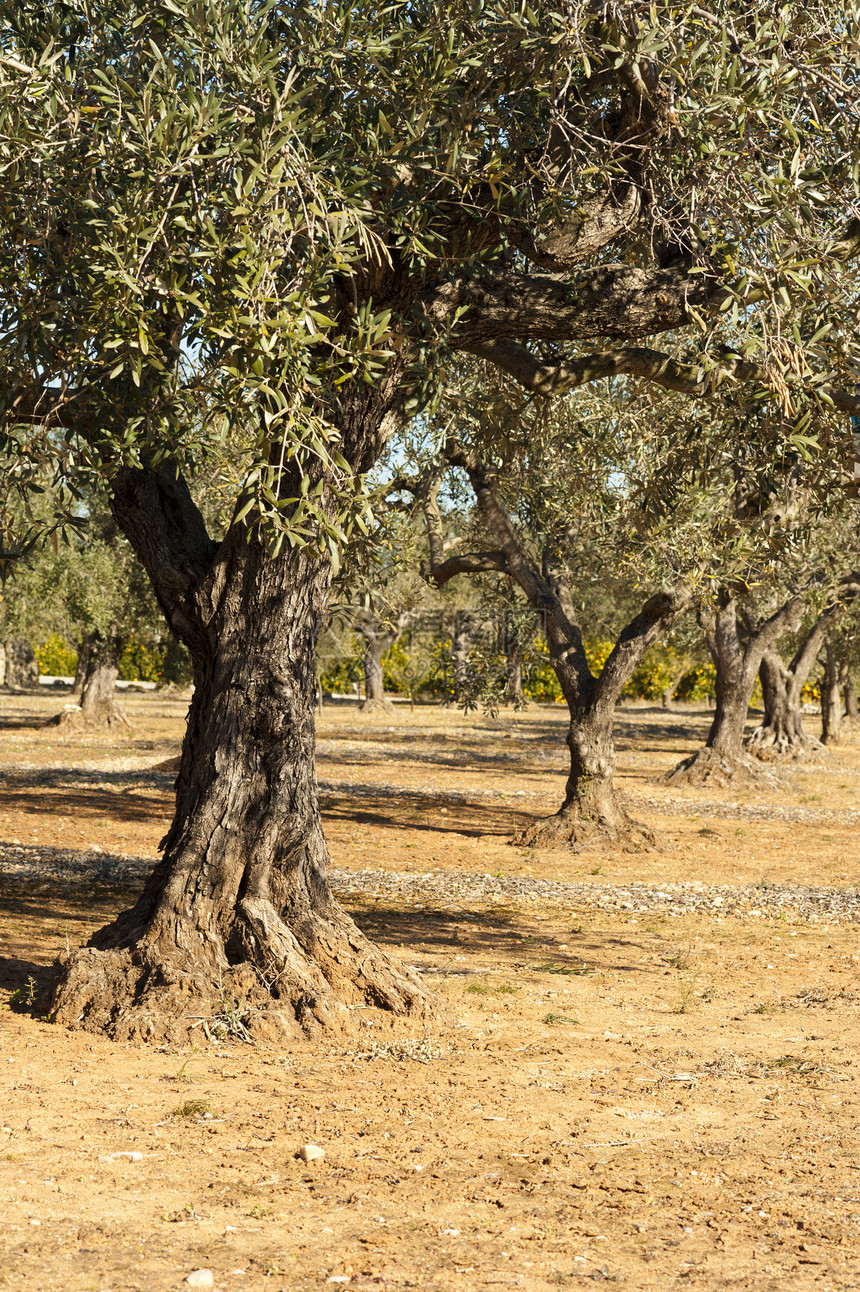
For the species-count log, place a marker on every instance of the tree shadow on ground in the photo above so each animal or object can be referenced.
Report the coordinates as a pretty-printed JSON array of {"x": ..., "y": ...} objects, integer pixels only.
[
  {"x": 411, "y": 812},
  {"x": 500, "y": 933},
  {"x": 27, "y": 983},
  {"x": 66, "y": 777},
  {"x": 21, "y": 722},
  {"x": 102, "y": 804}
]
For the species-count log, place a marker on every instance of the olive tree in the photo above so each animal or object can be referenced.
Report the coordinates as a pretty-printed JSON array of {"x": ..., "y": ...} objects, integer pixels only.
[{"x": 281, "y": 218}]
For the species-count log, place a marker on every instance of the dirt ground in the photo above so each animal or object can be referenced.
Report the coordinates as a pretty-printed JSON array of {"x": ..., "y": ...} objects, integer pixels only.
[{"x": 639, "y": 1097}]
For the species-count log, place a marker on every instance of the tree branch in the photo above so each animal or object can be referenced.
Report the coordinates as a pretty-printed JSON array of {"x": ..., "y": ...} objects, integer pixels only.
[
  {"x": 467, "y": 563},
  {"x": 616, "y": 301},
  {"x": 155, "y": 511},
  {"x": 550, "y": 379},
  {"x": 643, "y": 631}
]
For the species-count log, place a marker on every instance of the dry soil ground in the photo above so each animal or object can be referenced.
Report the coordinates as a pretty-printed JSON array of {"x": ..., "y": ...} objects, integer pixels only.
[{"x": 647, "y": 1073}]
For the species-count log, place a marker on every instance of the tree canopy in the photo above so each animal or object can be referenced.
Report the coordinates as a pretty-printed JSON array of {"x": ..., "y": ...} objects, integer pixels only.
[{"x": 245, "y": 237}]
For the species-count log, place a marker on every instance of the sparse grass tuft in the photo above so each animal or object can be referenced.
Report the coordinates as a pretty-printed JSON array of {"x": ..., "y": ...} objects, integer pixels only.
[
  {"x": 192, "y": 1108},
  {"x": 25, "y": 997},
  {"x": 687, "y": 1001},
  {"x": 554, "y": 1019},
  {"x": 795, "y": 1064}
]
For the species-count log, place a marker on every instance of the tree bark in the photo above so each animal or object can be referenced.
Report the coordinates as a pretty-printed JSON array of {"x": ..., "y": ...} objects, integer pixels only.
[
  {"x": 81, "y": 666},
  {"x": 514, "y": 677},
  {"x": 723, "y": 760},
  {"x": 851, "y": 707},
  {"x": 781, "y": 733},
  {"x": 236, "y": 931},
  {"x": 592, "y": 812},
  {"x": 462, "y": 632},
  {"x": 22, "y": 670}
]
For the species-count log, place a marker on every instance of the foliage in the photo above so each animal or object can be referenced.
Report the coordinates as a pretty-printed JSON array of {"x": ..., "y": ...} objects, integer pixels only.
[
  {"x": 141, "y": 661},
  {"x": 205, "y": 258},
  {"x": 55, "y": 657},
  {"x": 699, "y": 684}
]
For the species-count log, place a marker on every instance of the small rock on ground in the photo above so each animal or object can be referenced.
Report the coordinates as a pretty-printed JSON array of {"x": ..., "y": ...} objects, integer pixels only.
[
  {"x": 311, "y": 1153},
  {"x": 200, "y": 1279}
]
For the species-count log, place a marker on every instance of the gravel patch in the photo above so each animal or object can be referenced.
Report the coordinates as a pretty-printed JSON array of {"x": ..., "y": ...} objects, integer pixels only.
[
  {"x": 732, "y": 811},
  {"x": 799, "y": 902},
  {"x": 460, "y": 889}
]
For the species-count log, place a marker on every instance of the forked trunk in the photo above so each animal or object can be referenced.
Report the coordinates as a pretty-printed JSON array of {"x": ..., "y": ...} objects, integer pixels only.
[
  {"x": 237, "y": 930},
  {"x": 591, "y": 812},
  {"x": 781, "y": 734},
  {"x": 375, "y": 646},
  {"x": 723, "y": 760}
]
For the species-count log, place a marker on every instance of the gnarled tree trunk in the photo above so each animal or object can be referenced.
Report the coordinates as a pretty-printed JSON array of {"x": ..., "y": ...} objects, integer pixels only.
[
  {"x": 851, "y": 707},
  {"x": 22, "y": 669},
  {"x": 781, "y": 734},
  {"x": 723, "y": 760},
  {"x": 97, "y": 706},
  {"x": 592, "y": 811},
  {"x": 376, "y": 642},
  {"x": 236, "y": 930}
]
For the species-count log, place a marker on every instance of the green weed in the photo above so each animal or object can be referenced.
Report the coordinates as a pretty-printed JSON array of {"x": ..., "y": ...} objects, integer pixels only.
[{"x": 192, "y": 1108}]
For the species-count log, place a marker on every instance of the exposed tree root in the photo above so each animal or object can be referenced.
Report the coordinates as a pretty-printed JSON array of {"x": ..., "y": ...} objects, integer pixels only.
[
  {"x": 379, "y": 706},
  {"x": 572, "y": 828},
  {"x": 707, "y": 767},
  {"x": 172, "y": 985},
  {"x": 772, "y": 745},
  {"x": 94, "y": 718}
]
